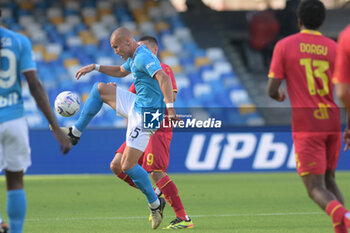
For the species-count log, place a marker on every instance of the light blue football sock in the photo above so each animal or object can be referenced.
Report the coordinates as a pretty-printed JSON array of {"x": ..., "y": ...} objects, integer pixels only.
[
  {"x": 141, "y": 179},
  {"x": 91, "y": 107},
  {"x": 16, "y": 209}
]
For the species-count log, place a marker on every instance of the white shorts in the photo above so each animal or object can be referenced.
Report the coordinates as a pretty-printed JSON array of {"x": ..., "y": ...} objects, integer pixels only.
[
  {"x": 14, "y": 145},
  {"x": 136, "y": 136}
]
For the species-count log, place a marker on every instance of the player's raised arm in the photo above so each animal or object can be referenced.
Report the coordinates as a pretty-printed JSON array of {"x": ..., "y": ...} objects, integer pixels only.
[
  {"x": 42, "y": 100},
  {"x": 113, "y": 71}
]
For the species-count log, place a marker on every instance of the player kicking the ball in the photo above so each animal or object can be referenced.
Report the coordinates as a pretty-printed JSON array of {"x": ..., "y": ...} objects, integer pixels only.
[
  {"x": 155, "y": 159},
  {"x": 152, "y": 87},
  {"x": 306, "y": 61}
]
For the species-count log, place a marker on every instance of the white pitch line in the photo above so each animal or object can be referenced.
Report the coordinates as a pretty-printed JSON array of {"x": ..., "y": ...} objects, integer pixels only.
[{"x": 193, "y": 216}]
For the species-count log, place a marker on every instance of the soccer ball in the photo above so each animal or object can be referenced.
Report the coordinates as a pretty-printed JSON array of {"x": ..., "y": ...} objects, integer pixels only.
[{"x": 67, "y": 103}]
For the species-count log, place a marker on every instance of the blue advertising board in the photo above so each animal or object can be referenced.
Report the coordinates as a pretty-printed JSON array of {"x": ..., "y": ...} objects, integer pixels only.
[{"x": 235, "y": 150}]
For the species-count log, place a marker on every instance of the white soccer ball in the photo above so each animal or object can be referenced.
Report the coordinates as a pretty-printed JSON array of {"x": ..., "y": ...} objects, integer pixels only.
[{"x": 67, "y": 103}]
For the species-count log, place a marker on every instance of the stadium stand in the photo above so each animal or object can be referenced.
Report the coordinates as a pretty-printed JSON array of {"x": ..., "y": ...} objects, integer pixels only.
[{"x": 68, "y": 34}]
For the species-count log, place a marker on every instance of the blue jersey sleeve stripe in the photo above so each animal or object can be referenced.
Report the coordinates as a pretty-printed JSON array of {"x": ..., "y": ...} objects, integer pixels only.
[{"x": 156, "y": 72}]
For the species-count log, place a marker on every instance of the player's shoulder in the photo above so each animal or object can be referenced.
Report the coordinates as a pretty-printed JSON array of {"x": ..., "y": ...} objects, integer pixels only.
[
  {"x": 145, "y": 58},
  {"x": 142, "y": 53},
  {"x": 286, "y": 42},
  {"x": 19, "y": 38},
  {"x": 9, "y": 33},
  {"x": 141, "y": 58}
]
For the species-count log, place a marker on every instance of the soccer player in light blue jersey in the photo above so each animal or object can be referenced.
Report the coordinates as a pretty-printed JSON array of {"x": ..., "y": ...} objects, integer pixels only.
[
  {"x": 16, "y": 58},
  {"x": 152, "y": 85}
]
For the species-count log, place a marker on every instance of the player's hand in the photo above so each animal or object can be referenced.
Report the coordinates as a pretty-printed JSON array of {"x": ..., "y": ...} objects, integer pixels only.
[
  {"x": 63, "y": 140},
  {"x": 172, "y": 115},
  {"x": 84, "y": 70},
  {"x": 346, "y": 137},
  {"x": 112, "y": 84},
  {"x": 281, "y": 95}
]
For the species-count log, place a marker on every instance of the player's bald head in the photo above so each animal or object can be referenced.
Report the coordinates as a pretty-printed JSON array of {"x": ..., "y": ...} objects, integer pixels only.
[
  {"x": 123, "y": 42},
  {"x": 121, "y": 34}
]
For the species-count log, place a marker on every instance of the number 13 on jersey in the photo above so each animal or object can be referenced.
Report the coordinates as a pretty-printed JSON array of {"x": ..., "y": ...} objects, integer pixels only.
[{"x": 319, "y": 72}]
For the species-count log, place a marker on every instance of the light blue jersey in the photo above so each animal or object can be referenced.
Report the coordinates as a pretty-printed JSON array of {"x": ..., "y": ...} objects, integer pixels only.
[
  {"x": 143, "y": 67},
  {"x": 16, "y": 58}
]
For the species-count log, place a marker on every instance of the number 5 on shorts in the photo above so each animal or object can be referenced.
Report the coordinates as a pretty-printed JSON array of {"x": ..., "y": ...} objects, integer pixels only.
[{"x": 135, "y": 133}]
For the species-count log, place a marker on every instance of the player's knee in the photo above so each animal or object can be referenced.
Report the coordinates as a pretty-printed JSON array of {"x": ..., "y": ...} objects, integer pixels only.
[
  {"x": 157, "y": 176},
  {"x": 153, "y": 176},
  {"x": 115, "y": 168},
  {"x": 126, "y": 166},
  {"x": 101, "y": 87}
]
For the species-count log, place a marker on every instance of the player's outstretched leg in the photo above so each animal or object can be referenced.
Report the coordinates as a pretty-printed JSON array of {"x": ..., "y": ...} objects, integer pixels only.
[
  {"x": 91, "y": 107},
  {"x": 69, "y": 131}
]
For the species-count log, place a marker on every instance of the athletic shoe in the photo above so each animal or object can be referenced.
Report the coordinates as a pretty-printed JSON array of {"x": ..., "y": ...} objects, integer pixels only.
[
  {"x": 68, "y": 131},
  {"x": 159, "y": 194},
  {"x": 4, "y": 228},
  {"x": 178, "y": 223},
  {"x": 73, "y": 139},
  {"x": 157, "y": 214}
]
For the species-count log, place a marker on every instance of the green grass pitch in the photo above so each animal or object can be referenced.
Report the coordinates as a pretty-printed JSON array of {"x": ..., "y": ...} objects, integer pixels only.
[{"x": 237, "y": 202}]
